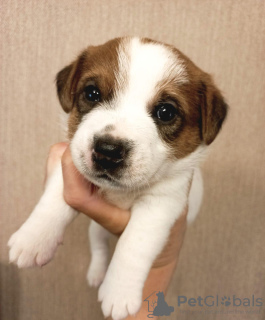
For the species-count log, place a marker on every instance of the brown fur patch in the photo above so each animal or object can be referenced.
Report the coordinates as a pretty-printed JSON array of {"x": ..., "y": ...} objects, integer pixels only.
[
  {"x": 98, "y": 64},
  {"x": 73, "y": 122},
  {"x": 207, "y": 108},
  {"x": 201, "y": 107},
  {"x": 183, "y": 134}
]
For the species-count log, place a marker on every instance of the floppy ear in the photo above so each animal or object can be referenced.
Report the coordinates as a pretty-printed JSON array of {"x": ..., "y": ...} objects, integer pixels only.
[
  {"x": 213, "y": 110},
  {"x": 64, "y": 85}
]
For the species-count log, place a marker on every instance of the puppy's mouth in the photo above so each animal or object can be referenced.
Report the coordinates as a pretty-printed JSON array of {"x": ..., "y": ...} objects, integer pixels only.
[
  {"x": 101, "y": 177},
  {"x": 106, "y": 180},
  {"x": 106, "y": 177}
]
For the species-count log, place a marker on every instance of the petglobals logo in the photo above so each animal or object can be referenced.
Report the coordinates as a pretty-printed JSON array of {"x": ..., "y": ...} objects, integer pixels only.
[
  {"x": 216, "y": 301},
  {"x": 157, "y": 306}
]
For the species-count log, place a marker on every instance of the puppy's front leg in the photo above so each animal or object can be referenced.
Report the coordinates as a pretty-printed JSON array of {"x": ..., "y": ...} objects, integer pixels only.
[
  {"x": 35, "y": 243},
  {"x": 143, "y": 239}
]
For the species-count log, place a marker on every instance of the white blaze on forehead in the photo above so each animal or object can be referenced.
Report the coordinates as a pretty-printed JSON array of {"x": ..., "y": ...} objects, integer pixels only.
[
  {"x": 144, "y": 65},
  {"x": 121, "y": 74}
]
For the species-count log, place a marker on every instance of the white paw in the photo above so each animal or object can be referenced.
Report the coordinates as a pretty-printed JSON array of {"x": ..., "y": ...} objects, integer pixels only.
[
  {"x": 96, "y": 274},
  {"x": 118, "y": 299},
  {"x": 33, "y": 245}
]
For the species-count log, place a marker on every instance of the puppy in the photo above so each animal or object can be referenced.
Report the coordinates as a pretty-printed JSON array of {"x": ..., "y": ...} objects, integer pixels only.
[{"x": 140, "y": 118}]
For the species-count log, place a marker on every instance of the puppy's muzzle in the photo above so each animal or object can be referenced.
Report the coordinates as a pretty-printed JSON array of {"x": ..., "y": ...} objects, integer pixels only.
[{"x": 109, "y": 153}]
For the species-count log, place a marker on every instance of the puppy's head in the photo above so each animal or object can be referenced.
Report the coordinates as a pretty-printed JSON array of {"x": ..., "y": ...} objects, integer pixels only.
[{"x": 135, "y": 107}]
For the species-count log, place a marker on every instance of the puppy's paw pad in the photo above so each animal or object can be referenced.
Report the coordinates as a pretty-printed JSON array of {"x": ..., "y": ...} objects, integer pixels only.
[
  {"x": 32, "y": 248},
  {"x": 119, "y": 302}
]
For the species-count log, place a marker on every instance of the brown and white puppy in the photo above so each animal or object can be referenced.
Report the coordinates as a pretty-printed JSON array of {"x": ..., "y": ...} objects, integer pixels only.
[{"x": 141, "y": 116}]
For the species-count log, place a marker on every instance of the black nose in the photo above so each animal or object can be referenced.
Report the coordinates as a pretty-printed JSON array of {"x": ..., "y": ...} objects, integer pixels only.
[{"x": 109, "y": 152}]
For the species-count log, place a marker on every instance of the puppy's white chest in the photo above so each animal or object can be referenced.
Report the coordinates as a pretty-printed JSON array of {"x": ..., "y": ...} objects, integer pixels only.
[{"x": 123, "y": 200}]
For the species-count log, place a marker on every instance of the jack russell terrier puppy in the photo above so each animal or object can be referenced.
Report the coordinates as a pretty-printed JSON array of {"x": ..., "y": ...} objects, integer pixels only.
[{"x": 140, "y": 118}]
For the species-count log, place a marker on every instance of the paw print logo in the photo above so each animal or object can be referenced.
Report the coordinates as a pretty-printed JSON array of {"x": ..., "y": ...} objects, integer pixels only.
[{"x": 226, "y": 301}]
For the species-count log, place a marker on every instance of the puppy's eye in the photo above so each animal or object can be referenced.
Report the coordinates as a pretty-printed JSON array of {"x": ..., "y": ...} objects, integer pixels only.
[
  {"x": 92, "y": 93},
  {"x": 165, "y": 112}
]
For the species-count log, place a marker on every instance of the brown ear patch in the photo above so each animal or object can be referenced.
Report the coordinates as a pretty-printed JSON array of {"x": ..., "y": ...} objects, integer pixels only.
[
  {"x": 61, "y": 81},
  {"x": 213, "y": 111},
  {"x": 67, "y": 80}
]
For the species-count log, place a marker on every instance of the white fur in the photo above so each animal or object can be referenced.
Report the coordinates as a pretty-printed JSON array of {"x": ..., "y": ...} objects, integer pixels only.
[
  {"x": 35, "y": 243},
  {"x": 154, "y": 187}
]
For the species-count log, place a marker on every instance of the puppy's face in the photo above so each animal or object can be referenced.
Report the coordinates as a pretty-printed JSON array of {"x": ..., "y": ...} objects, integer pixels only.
[{"x": 135, "y": 107}]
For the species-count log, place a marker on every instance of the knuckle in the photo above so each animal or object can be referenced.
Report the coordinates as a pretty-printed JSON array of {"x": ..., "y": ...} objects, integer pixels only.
[
  {"x": 57, "y": 149},
  {"x": 53, "y": 150},
  {"x": 71, "y": 199},
  {"x": 66, "y": 157}
]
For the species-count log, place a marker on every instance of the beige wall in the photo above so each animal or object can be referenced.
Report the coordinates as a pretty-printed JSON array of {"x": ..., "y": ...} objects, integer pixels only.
[{"x": 224, "y": 251}]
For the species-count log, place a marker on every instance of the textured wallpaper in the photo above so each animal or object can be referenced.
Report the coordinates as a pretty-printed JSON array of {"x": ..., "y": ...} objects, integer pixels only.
[{"x": 223, "y": 252}]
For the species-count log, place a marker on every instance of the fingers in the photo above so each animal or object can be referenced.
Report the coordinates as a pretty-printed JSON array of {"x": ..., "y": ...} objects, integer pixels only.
[
  {"x": 109, "y": 216},
  {"x": 82, "y": 195},
  {"x": 76, "y": 188}
]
